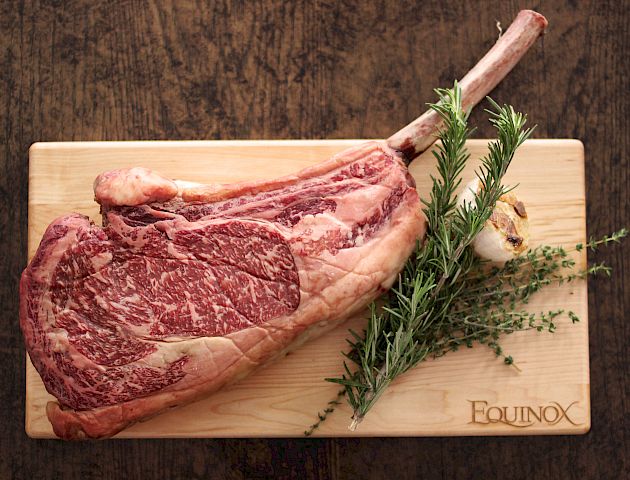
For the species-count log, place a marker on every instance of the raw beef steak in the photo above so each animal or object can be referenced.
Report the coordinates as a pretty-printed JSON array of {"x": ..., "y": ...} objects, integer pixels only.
[{"x": 172, "y": 300}]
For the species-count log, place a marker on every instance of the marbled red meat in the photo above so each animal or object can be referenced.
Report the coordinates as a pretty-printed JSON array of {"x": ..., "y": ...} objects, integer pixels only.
[{"x": 132, "y": 310}]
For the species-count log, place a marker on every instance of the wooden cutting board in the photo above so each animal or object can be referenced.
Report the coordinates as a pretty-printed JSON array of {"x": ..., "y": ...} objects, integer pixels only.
[{"x": 469, "y": 392}]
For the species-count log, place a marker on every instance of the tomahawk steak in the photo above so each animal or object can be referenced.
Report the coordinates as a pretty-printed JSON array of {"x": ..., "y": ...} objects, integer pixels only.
[{"x": 185, "y": 288}]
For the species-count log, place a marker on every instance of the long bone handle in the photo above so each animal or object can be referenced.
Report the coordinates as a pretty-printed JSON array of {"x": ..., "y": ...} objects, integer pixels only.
[{"x": 528, "y": 25}]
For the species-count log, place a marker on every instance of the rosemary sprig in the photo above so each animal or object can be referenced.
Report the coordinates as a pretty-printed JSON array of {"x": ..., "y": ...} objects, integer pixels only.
[
  {"x": 403, "y": 333},
  {"x": 445, "y": 297},
  {"x": 450, "y": 153}
]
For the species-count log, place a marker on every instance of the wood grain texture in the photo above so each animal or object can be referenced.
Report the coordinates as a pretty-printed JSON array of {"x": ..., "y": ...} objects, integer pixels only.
[
  {"x": 122, "y": 70},
  {"x": 283, "y": 398}
]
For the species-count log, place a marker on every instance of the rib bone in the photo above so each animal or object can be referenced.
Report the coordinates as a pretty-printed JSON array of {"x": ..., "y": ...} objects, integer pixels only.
[{"x": 416, "y": 137}]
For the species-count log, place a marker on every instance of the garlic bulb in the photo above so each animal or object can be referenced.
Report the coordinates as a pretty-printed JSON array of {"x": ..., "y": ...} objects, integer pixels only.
[{"x": 506, "y": 233}]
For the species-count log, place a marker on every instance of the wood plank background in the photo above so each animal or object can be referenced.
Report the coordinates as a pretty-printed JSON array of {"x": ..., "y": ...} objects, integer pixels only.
[{"x": 82, "y": 70}]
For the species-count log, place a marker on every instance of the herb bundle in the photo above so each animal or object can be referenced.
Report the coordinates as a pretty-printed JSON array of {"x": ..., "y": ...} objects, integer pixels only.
[{"x": 446, "y": 297}]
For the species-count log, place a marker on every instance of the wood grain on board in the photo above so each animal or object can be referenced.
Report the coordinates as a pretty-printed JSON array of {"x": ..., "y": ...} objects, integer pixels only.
[{"x": 463, "y": 393}]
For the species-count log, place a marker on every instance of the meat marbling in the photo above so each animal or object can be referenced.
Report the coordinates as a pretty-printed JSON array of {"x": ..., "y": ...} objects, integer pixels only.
[{"x": 187, "y": 287}]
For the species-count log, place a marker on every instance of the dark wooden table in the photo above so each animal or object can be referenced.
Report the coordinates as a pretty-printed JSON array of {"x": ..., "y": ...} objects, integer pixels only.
[{"x": 82, "y": 70}]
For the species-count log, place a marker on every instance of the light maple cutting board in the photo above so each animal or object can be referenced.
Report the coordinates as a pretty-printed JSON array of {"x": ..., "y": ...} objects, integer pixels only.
[{"x": 469, "y": 392}]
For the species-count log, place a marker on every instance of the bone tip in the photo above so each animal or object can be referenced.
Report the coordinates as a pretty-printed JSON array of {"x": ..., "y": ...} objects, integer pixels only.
[{"x": 536, "y": 17}]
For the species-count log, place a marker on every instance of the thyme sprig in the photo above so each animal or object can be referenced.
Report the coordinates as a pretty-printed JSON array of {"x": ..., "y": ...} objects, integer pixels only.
[
  {"x": 494, "y": 298},
  {"x": 446, "y": 297}
]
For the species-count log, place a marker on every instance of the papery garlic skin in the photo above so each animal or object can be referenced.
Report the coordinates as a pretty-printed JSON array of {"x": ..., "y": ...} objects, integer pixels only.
[{"x": 506, "y": 233}]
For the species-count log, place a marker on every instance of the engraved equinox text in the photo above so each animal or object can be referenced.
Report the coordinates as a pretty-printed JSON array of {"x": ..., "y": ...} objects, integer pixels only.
[{"x": 520, "y": 416}]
